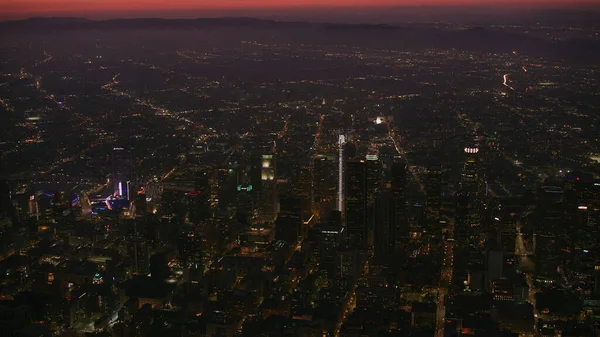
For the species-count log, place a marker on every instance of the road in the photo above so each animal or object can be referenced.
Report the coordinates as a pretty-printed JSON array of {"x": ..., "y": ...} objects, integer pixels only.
[
  {"x": 527, "y": 266},
  {"x": 83, "y": 124},
  {"x": 396, "y": 141},
  {"x": 525, "y": 262}
]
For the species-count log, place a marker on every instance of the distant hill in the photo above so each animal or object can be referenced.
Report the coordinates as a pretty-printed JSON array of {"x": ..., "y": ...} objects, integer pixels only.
[
  {"x": 143, "y": 23},
  {"x": 158, "y": 23},
  {"x": 372, "y": 35}
]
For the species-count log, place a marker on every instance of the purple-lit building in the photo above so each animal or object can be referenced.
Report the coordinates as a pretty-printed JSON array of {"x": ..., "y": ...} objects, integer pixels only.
[{"x": 122, "y": 177}]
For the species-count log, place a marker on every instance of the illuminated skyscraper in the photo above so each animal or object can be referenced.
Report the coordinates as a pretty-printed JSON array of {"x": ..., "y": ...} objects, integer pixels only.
[
  {"x": 268, "y": 198},
  {"x": 341, "y": 143},
  {"x": 122, "y": 173},
  {"x": 374, "y": 177},
  {"x": 470, "y": 182},
  {"x": 468, "y": 216}
]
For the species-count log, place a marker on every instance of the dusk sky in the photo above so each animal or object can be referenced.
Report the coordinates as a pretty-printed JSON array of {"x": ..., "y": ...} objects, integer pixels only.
[{"x": 24, "y": 8}]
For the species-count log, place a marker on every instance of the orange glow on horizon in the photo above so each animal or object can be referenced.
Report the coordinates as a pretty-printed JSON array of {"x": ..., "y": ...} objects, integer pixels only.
[{"x": 58, "y": 7}]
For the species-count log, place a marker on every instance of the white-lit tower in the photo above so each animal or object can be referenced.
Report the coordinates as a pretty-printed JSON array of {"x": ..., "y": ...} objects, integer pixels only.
[{"x": 340, "y": 205}]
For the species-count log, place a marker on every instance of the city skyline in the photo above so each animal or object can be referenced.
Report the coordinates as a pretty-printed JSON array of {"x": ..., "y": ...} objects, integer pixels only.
[{"x": 301, "y": 174}]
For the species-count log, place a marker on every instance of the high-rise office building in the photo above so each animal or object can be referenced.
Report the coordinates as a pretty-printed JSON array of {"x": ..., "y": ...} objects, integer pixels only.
[
  {"x": 189, "y": 245},
  {"x": 325, "y": 184},
  {"x": 122, "y": 173},
  {"x": 433, "y": 191},
  {"x": 245, "y": 194},
  {"x": 374, "y": 177},
  {"x": 226, "y": 191},
  {"x": 399, "y": 229},
  {"x": 329, "y": 242},
  {"x": 140, "y": 205},
  {"x": 383, "y": 238},
  {"x": 342, "y": 153},
  {"x": 550, "y": 229},
  {"x": 304, "y": 191},
  {"x": 469, "y": 179},
  {"x": 469, "y": 206},
  {"x": 471, "y": 183},
  {"x": 289, "y": 222},
  {"x": 374, "y": 180},
  {"x": 355, "y": 200},
  {"x": 268, "y": 198}
]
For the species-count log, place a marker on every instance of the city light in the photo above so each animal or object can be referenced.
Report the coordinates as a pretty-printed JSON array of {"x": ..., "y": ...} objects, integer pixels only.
[{"x": 307, "y": 174}]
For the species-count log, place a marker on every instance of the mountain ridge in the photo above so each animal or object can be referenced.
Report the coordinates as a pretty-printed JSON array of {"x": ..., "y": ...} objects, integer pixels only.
[{"x": 474, "y": 38}]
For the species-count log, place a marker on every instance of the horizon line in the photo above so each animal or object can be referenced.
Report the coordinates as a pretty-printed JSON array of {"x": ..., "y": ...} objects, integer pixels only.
[
  {"x": 343, "y": 13},
  {"x": 95, "y": 15}
]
